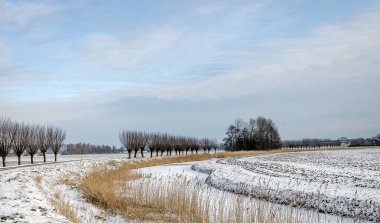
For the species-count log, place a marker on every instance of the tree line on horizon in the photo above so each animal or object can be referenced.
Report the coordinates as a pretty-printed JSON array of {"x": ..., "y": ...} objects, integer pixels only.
[
  {"x": 311, "y": 143},
  {"x": 87, "y": 148},
  {"x": 325, "y": 143},
  {"x": 159, "y": 143},
  {"x": 21, "y": 137},
  {"x": 373, "y": 141}
]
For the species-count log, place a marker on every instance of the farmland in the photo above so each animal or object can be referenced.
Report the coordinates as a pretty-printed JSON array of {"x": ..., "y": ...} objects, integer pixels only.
[
  {"x": 340, "y": 182},
  {"x": 312, "y": 186}
]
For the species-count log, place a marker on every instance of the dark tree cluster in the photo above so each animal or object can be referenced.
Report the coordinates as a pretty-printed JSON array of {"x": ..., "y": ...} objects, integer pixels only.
[
  {"x": 256, "y": 134},
  {"x": 159, "y": 143},
  {"x": 87, "y": 148},
  {"x": 374, "y": 141},
  {"x": 21, "y": 137}
]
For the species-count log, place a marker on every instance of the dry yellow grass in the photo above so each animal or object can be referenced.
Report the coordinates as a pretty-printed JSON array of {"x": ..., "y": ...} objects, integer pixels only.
[
  {"x": 38, "y": 180},
  {"x": 62, "y": 205}
]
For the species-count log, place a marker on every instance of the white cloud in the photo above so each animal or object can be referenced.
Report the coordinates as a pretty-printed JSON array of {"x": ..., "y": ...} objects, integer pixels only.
[
  {"x": 10, "y": 70},
  {"x": 116, "y": 52},
  {"x": 7, "y": 66},
  {"x": 329, "y": 54},
  {"x": 19, "y": 16},
  {"x": 22, "y": 13}
]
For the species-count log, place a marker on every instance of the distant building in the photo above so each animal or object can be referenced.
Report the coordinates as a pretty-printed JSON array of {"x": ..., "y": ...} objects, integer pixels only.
[{"x": 344, "y": 142}]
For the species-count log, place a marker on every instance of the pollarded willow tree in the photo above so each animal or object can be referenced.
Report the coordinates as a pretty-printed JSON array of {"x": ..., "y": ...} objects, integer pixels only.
[
  {"x": 43, "y": 141},
  {"x": 206, "y": 145},
  {"x": 257, "y": 134},
  {"x": 143, "y": 142},
  {"x": 214, "y": 144},
  {"x": 152, "y": 143},
  {"x": 56, "y": 138},
  {"x": 127, "y": 138},
  {"x": 32, "y": 147},
  {"x": 6, "y": 138},
  {"x": 21, "y": 139}
]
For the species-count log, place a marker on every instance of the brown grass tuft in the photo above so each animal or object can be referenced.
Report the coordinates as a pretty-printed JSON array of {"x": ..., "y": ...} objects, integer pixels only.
[
  {"x": 38, "y": 179},
  {"x": 64, "y": 207}
]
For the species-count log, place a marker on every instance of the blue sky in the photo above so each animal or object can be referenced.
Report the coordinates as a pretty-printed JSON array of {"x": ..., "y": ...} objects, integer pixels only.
[{"x": 191, "y": 67}]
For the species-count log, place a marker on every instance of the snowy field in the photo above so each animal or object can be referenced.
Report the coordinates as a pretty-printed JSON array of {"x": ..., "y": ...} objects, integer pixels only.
[
  {"x": 340, "y": 182},
  {"x": 344, "y": 176},
  {"x": 23, "y": 200},
  {"x": 25, "y": 160}
]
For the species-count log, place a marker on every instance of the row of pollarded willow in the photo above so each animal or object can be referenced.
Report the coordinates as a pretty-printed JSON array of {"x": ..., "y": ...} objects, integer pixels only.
[
  {"x": 21, "y": 137},
  {"x": 135, "y": 141}
]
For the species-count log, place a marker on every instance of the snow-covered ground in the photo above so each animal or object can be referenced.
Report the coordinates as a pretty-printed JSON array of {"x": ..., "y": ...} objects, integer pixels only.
[
  {"x": 345, "y": 182},
  {"x": 22, "y": 199},
  {"x": 11, "y": 161}
]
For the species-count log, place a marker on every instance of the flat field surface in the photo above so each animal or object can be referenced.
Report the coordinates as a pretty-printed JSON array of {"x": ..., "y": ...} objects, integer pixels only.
[
  {"x": 335, "y": 182},
  {"x": 344, "y": 182}
]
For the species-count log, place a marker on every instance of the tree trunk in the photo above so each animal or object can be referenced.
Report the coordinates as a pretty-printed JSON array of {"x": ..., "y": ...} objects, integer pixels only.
[
  {"x": 31, "y": 158},
  {"x": 135, "y": 153},
  {"x": 129, "y": 154},
  {"x": 3, "y": 157},
  {"x": 43, "y": 153},
  {"x": 151, "y": 153},
  {"x": 19, "y": 159},
  {"x": 142, "y": 153},
  {"x": 55, "y": 157},
  {"x": 156, "y": 153}
]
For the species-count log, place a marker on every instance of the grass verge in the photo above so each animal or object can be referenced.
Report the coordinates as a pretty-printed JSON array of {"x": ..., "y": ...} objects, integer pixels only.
[{"x": 62, "y": 205}]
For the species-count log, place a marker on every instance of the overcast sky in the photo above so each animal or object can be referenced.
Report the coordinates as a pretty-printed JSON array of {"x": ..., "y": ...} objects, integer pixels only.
[{"x": 191, "y": 67}]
